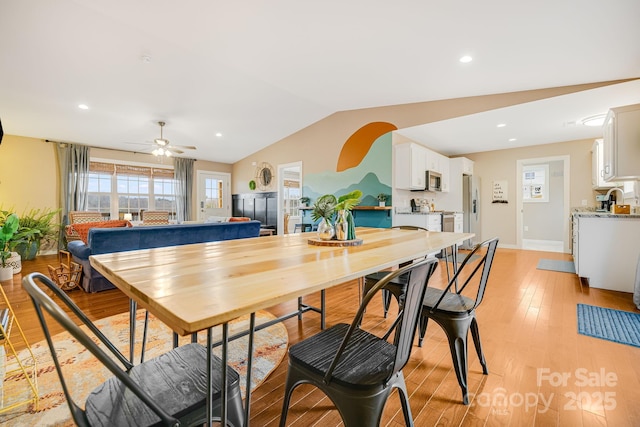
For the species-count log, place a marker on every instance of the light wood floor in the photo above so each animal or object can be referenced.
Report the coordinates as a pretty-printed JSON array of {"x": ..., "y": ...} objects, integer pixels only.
[{"x": 541, "y": 371}]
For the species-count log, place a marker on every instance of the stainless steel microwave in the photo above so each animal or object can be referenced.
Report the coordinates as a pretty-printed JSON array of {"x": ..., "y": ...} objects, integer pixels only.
[{"x": 433, "y": 181}]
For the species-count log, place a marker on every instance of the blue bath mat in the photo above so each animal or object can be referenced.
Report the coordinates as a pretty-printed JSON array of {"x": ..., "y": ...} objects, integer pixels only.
[
  {"x": 557, "y": 265},
  {"x": 605, "y": 323}
]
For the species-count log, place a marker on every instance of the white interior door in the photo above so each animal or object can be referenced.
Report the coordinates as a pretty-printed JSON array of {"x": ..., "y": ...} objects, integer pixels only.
[{"x": 214, "y": 194}]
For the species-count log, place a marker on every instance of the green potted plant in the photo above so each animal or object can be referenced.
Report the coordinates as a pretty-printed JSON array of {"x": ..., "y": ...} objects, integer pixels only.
[
  {"x": 382, "y": 199},
  {"x": 9, "y": 228},
  {"x": 304, "y": 201},
  {"x": 36, "y": 226},
  {"x": 323, "y": 210}
]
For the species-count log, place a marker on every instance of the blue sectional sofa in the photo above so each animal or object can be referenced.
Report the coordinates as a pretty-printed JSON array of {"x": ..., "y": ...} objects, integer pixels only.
[{"x": 120, "y": 239}]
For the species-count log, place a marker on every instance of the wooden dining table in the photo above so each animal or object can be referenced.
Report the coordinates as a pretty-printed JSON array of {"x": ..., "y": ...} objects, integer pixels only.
[{"x": 196, "y": 287}]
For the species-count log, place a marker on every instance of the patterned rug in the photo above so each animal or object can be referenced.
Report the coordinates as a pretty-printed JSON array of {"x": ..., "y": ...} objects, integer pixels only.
[
  {"x": 608, "y": 324},
  {"x": 83, "y": 373}
]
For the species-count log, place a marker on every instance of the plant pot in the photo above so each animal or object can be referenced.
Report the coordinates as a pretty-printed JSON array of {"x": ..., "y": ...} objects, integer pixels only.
[
  {"x": 28, "y": 251},
  {"x": 14, "y": 261},
  {"x": 382, "y": 204},
  {"x": 6, "y": 273}
]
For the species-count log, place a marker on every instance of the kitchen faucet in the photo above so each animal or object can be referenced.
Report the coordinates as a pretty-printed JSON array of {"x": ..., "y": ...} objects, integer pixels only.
[{"x": 614, "y": 189}]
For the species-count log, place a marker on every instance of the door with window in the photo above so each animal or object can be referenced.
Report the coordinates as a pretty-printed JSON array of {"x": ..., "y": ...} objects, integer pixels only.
[{"x": 214, "y": 194}]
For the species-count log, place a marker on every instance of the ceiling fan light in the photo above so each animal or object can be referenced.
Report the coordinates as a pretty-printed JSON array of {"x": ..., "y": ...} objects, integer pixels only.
[
  {"x": 167, "y": 153},
  {"x": 161, "y": 142}
]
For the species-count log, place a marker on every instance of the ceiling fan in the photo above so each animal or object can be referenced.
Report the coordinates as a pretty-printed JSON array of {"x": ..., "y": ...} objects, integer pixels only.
[{"x": 162, "y": 146}]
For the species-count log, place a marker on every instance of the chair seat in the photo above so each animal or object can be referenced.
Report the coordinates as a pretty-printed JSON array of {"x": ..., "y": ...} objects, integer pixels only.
[
  {"x": 112, "y": 404},
  {"x": 369, "y": 360},
  {"x": 451, "y": 303}
]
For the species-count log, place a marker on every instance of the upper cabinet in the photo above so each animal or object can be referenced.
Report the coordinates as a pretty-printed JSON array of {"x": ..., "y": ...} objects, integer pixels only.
[
  {"x": 467, "y": 166},
  {"x": 597, "y": 167},
  {"x": 410, "y": 166},
  {"x": 413, "y": 160},
  {"x": 621, "y": 150}
]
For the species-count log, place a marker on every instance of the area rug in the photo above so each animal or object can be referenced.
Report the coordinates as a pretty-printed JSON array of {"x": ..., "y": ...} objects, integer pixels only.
[
  {"x": 83, "y": 373},
  {"x": 462, "y": 256},
  {"x": 557, "y": 265},
  {"x": 608, "y": 324}
]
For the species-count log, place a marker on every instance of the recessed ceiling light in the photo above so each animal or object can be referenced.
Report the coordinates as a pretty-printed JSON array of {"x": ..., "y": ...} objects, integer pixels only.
[
  {"x": 83, "y": 106},
  {"x": 597, "y": 120},
  {"x": 218, "y": 134},
  {"x": 466, "y": 59},
  {"x": 512, "y": 139},
  {"x": 501, "y": 125}
]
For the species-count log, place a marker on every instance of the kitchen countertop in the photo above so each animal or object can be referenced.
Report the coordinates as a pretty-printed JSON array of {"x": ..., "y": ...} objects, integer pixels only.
[
  {"x": 426, "y": 213},
  {"x": 592, "y": 214}
]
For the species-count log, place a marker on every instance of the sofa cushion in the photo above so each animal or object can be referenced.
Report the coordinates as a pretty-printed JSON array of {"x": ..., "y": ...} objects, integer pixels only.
[{"x": 83, "y": 228}]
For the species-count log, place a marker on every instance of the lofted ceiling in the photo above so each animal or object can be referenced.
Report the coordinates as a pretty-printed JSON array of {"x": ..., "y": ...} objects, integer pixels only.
[{"x": 256, "y": 72}]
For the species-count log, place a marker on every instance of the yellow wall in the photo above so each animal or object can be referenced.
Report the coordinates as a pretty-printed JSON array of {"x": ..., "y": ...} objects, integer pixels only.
[{"x": 28, "y": 174}]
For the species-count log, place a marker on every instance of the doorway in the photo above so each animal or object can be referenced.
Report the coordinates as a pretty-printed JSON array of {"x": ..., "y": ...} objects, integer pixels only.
[
  {"x": 543, "y": 199},
  {"x": 214, "y": 194},
  {"x": 289, "y": 193}
]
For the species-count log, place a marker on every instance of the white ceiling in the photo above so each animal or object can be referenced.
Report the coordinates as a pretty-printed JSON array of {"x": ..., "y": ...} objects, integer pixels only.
[{"x": 259, "y": 71}]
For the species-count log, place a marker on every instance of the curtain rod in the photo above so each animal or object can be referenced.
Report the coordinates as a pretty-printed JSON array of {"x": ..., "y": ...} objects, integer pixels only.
[{"x": 107, "y": 148}]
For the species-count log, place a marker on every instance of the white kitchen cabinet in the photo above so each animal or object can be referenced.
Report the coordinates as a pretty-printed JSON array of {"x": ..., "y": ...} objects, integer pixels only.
[
  {"x": 607, "y": 250},
  {"x": 430, "y": 221},
  {"x": 621, "y": 152},
  {"x": 458, "y": 223},
  {"x": 445, "y": 172},
  {"x": 597, "y": 167},
  {"x": 467, "y": 166},
  {"x": 410, "y": 166}
]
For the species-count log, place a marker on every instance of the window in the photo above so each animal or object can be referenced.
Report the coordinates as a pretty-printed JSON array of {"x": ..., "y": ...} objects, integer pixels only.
[
  {"x": 116, "y": 189},
  {"x": 133, "y": 193},
  {"x": 99, "y": 193},
  {"x": 213, "y": 193},
  {"x": 535, "y": 183}
]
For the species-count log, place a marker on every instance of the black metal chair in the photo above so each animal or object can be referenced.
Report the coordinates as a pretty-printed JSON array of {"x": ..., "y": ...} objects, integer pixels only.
[
  {"x": 356, "y": 369},
  {"x": 168, "y": 390},
  {"x": 395, "y": 287},
  {"x": 456, "y": 313}
]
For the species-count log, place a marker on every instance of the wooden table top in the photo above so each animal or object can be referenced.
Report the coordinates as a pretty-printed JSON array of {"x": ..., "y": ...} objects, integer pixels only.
[{"x": 194, "y": 287}]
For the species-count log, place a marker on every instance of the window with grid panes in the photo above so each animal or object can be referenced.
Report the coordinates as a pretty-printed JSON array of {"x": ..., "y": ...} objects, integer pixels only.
[{"x": 117, "y": 189}]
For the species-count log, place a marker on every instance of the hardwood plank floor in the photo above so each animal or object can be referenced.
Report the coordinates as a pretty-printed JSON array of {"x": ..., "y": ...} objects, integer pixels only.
[{"x": 541, "y": 371}]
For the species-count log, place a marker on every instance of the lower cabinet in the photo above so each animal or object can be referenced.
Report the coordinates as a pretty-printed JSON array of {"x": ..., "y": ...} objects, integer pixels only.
[{"x": 607, "y": 251}]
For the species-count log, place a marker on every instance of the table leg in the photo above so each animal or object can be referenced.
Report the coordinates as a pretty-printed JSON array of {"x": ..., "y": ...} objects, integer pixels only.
[
  {"x": 132, "y": 327},
  {"x": 223, "y": 391},
  {"x": 322, "y": 309},
  {"x": 247, "y": 399}
]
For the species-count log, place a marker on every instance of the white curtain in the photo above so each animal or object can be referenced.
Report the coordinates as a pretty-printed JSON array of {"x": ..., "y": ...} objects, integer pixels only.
[
  {"x": 183, "y": 169},
  {"x": 73, "y": 162}
]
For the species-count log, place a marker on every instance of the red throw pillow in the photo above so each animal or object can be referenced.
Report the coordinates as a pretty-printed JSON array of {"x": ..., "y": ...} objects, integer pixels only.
[
  {"x": 239, "y": 219},
  {"x": 83, "y": 228}
]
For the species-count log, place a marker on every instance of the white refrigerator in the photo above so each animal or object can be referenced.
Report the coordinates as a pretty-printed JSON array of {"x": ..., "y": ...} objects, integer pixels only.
[{"x": 471, "y": 209}]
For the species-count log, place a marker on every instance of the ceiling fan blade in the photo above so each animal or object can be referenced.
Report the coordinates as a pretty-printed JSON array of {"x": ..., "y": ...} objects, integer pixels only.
[
  {"x": 186, "y": 147},
  {"x": 173, "y": 150},
  {"x": 139, "y": 143}
]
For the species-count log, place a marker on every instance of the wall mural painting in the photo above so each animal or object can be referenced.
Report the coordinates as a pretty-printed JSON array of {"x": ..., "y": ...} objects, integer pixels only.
[{"x": 364, "y": 163}]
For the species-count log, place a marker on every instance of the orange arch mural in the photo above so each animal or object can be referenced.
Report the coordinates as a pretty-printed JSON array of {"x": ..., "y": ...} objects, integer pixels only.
[{"x": 358, "y": 144}]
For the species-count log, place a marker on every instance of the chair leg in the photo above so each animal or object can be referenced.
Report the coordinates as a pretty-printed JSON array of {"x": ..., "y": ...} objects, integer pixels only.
[
  {"x": 457, "y": 331},
  {"x": 475, "y": 333},
  {"x": 386, "y": 301},
  {"x": 424, "y": 320}
]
